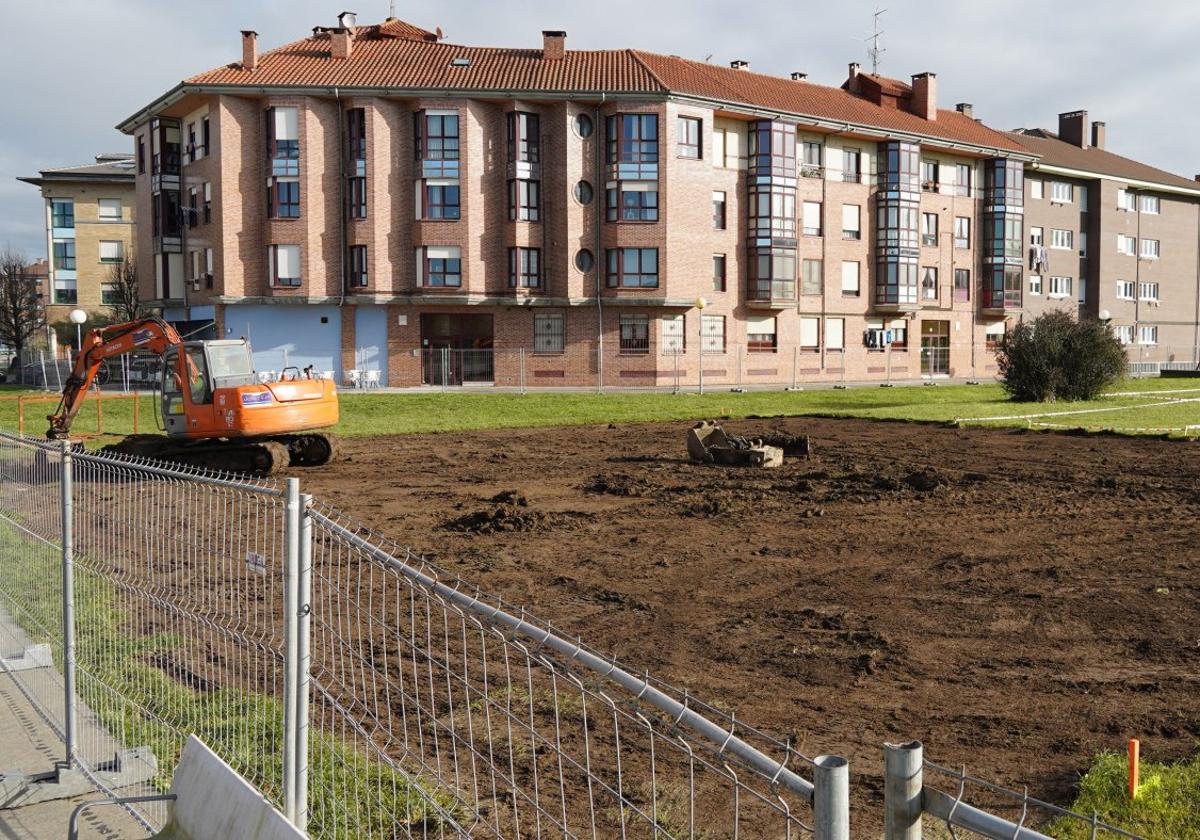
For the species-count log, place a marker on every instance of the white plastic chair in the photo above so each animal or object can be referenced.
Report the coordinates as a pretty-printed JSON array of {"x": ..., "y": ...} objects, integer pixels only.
[
  {"x": 265, "y": 376},
  {"x": 325, "y": 374},
  {"x": 372, "y": 378},
  {"x": 351, "y": 378}
]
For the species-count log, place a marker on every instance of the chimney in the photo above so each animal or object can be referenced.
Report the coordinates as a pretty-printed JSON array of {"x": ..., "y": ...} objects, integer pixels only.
[
  {"x": 1098, "y": 134},
  {"x": 799, "y": 77},
  {"x": 966, "y": 109},
  {"x": 340, "y": 42},
  {"x": 924, "y": 96},
  {"x": 249, "y": 49},
  {"x": 554, "y": 45},
  {"x": 739, "y": 64},
  {"x": 852, "y": 77},
  {"x": 1072, "y": 128}
]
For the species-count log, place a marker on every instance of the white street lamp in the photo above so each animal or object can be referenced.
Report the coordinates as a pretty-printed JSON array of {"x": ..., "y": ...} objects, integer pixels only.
[
  {"x": 700, "y": 304},
  {"x": 78, "y": 318}
]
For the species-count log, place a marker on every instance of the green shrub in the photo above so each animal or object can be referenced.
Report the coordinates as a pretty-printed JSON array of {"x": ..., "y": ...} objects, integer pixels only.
[{"x": 1056, "y": 357}]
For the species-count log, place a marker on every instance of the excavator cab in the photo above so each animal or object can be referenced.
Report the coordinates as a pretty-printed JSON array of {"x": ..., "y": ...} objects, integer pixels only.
[{"x": 192, "y": 372}]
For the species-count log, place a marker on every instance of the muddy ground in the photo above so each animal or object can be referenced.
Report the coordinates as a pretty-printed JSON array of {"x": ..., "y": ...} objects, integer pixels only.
[{"x": 1018, "y": 601}]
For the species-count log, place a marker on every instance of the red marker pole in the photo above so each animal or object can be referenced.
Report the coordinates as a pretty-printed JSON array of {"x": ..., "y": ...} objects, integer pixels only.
[{"x": 1135, "y": 749}]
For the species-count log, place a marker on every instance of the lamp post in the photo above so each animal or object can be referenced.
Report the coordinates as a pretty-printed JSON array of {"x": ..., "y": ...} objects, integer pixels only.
[
  {"x": 78, "y": 318},
  {"x": 700, "y": 304}
]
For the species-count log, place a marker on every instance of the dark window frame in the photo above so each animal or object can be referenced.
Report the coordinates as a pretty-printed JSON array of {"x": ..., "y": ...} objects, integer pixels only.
[
  {"x": 524, "y": 137},
  {"x": 283, "y": 203},
  {"x": 436, "y": 205},
  {"x": 632, "y": 138},
  {"x": 357, "y": 263},
  {"x": 720, "y": 211},
  {"x": 618, "y": 206},
  {"x": 356, "y": 197},
  {"x": 276, "y": 280},
  {"x": 634, "y": 335},
  {"x": 444, "y": 268},
  {"x": 616, "y": 273},
  {"x": 441, "y": 144},
  {"x": 525, "y": 268},
  {"x": 690, "y": 132},
  {"x": 524, "y": 200},
  {"x": 720, "y": 272}
]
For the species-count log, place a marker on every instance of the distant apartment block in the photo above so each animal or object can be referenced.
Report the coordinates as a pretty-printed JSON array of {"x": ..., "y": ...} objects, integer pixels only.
[
  {"x": 385, "y": 195},
  {"x": 89, "y": 228}
]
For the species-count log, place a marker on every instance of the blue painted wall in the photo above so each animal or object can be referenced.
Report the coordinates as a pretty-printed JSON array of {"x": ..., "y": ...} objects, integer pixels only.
[
  {"x": 294, "y": 332},
  {"x": 370, "y": 340}
]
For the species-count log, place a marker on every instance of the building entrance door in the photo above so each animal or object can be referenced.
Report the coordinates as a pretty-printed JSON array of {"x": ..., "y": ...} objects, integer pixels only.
[
  {"x": 935, "y": 348},
  {"x": 456, "y": 349}
]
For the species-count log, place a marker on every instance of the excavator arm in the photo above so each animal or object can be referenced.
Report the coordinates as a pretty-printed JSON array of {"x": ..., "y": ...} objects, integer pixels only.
[{"x": 102, "y": 343}]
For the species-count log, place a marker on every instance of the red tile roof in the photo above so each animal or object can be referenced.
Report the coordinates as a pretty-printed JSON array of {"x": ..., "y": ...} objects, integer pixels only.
[
  {"x": 1057, "y": 152},
  {"x": 398, "y": 55}
]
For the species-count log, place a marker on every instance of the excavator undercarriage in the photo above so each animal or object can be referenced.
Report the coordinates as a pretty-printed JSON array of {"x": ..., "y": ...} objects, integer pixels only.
[{"x": 256, "y": 457}]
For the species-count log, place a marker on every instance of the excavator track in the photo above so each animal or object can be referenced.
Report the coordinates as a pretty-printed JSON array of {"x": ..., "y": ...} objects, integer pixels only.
[
  {"x": 263, "y": 457},
  {"x": 309, "y": 449}
]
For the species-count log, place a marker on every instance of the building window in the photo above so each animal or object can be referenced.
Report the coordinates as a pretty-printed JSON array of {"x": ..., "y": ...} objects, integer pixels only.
[
  {"x": 524, "y": 200},
  {"x": 62, "y": 213},
  {"x": 64, "y": 255},
  {"x": 549, "y": 333},
  {"x": 205, "y": 137},
  {"x": 633, "y": 145},
  {"x": 109, "y": 209},
  {"x": 929, "y": 229},
  {"x": 718, "y": 272},
  {"x": 673, "y": 334},
  {"x": 1126, "y": 200},
  {"x": 811, "y": 160},
  {"x": 772, "y": 274},
  {"x": 1036, "y": 188},
  {"x": 584, "y": 261},
  {"x": 773, "y": 213},
  {"x": 207, "y": 202},
  {"x": 635, "y": 334},
  {"x": 835, "y": 334},
  {"x": 851, "y": 166},
  {"x": 191, "y": 152},
  {"x": 1062, "y": 239},
  {"x": 583, "y": 193},
  {"x": 1151, "y": 204},
  {"x": 1147, "y": 334},
  {"x": 1150, "y": 249},
  {"x": 962, "y": 178},
  {"x": 851, "y": 221},
  {"x": 1126, "y": 244},
  {"x": 356, "y": 141},
  {"x": 689, "y": 138},
  {"x": 436, "y": 135},
  {"x": 109, "y": 296},
  {"x": 896, "y": 282},
  {"x": 1124, "y": 334},
  {"x": 760, "y": 334},
  {"x": 111, "y": 251},
  {"x": 851, "y": 279},
  {"x": 1035, "y": 284},
  {"x": 810, "y": 335},
  {"x": 65, "y": 291},
  {"x": 812, "y": 218},
  {"x": 1125, "y": 290},
  {"x": 930, "y": 175},
  {"x": 1083, "y": 243},
  {"x": 1062, "y": 192},
  {"x": 718, "y": 199},
  {"x": 583, "y": 125},
  {"x": 632, "y": 268},
  {"x": 929, "y": 283},
  {"x": 1060, "y": 287},
  {"x": 962, "y": 232},
  {"x": 712, "y": 334},
  {"x": 962, "y": 284},
  {"x": 524, "y": 268},
  {"x": 524, "y": 137},
  {"x": 356, "y": 197},
  {"x": 632, "y": 202},
  {"x": 1036, "y": 236},
  {"x": 441, "y": 201},
  {"x": 283, "y": 263},
  {"x": 358, "y": 266},
  {"x": 283, "y": 197},
  {"x": 1148, "y": 291},
  {"x": 193, "y": 216},
  {"x": 1002, "y": 287},
  {"x": 439, "y": 267},
  {"x": 283, "y": 141},
  {"x": 994, "y": 336},
  {"x": 141, "y": 155},
  {"x": 812, "y": 277}
]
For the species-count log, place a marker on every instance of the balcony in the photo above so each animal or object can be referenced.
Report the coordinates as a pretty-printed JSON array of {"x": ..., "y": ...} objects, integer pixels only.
[
  {"x": 767, "y": 294},
  {"x": 1000, "y": 301}
]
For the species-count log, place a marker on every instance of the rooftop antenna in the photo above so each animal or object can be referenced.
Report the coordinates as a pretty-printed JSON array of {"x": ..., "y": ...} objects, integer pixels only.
[
  {"x": 392, "y": 9},
  {"x": 875, "y": 51}
]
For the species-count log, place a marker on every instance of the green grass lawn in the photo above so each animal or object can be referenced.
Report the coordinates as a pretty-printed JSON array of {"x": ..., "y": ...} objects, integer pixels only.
[
  {"x": 1167, "y": 806},
  {"x": 383, "y": 414}
]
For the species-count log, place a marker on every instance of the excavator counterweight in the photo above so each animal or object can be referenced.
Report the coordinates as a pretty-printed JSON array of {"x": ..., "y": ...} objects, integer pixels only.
[{"x": 213, "y": 410}]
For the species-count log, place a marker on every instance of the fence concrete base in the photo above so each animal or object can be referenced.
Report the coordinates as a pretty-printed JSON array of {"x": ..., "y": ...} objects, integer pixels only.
[
  {"x": 35, "y": 656},
  {"x": 128, "y": 767}
]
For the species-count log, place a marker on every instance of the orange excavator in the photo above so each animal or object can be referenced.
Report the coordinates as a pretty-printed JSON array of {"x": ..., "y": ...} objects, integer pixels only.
[{"x": 214, "y": 411}]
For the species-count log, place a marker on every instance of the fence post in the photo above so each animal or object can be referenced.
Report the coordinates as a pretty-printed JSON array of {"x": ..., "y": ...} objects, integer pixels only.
[
  {"x": 831, "y": 798},
  {"x": 291, "y": 580},
  {"x": 68, "y": 601},
  {"x": 903, "y": 766},
  {"x": 445, "y": 366},
  {"x": 303, "y": 661},
  {"x": 522, "y": 369}
]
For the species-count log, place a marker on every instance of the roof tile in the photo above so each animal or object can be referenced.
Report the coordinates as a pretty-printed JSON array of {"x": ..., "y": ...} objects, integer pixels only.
[{"x": 1055, "y": 151}]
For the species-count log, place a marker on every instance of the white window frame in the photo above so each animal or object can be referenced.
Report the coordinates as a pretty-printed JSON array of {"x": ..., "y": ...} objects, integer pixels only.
[
  {"x": 851, "y": 221},
  {"x": 1148, "y": 334},
  {"x": 672, "y": 331},
  {"x": 1062, "y": 239},
  {"x": 851, "y": 278},
  {"x": 1037, "y": 235},
  {"x": 1126, "y": 289},
  {"x": 116, "y": 254},
  {"x": 1035, "y": 284},
  {"x": 1037, "y": 188},
  {"x": 712, "y": 334},
  {"x": 102, "y": 215},
  {"x": 1150, "y": 201},
  {"x": 1126, "y": 200},
  {"x": 1151, "y": 249},
  {"x": 835, "y": 334},
  {"x": 1057, "y": 188},
  {"x": 1123, "y": 333},
  {"x": 809, "y": 208},
  {"x": 1061, "y": 286},
  {"x": 1148, "y": 290},
  {"x": 810, "y": 334},
  {"x": 1126, "y": 245}
]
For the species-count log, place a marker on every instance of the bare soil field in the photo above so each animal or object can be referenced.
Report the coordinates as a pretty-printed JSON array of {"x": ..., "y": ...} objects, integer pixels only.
[{"x": 1018, "y": 601}]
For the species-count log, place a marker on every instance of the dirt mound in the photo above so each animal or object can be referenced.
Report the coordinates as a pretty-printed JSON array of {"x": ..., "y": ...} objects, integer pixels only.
[
  {"x": 511, "y": 519},
  {"x": 510, "y": 497},
  {"x": 925, "y": 481},
  {"x": 618, "y": 484}
]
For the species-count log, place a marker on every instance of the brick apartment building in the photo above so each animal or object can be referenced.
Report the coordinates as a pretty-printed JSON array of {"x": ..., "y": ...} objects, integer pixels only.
[
  {"x": 89, "y": 228},
  {"x": 371, "y": 197}
]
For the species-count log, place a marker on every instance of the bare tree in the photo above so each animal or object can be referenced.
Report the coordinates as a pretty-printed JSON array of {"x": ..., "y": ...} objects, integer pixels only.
[
  {"x": 21, "y": 311},
  {"x": 126, "y": 305}
]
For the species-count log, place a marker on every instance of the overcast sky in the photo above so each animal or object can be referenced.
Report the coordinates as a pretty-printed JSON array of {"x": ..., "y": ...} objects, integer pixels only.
[{"x": 72, "y": 69}]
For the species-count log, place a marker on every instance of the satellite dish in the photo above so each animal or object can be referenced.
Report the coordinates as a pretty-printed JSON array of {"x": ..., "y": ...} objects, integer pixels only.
[{"x": 440, "y": 34}]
